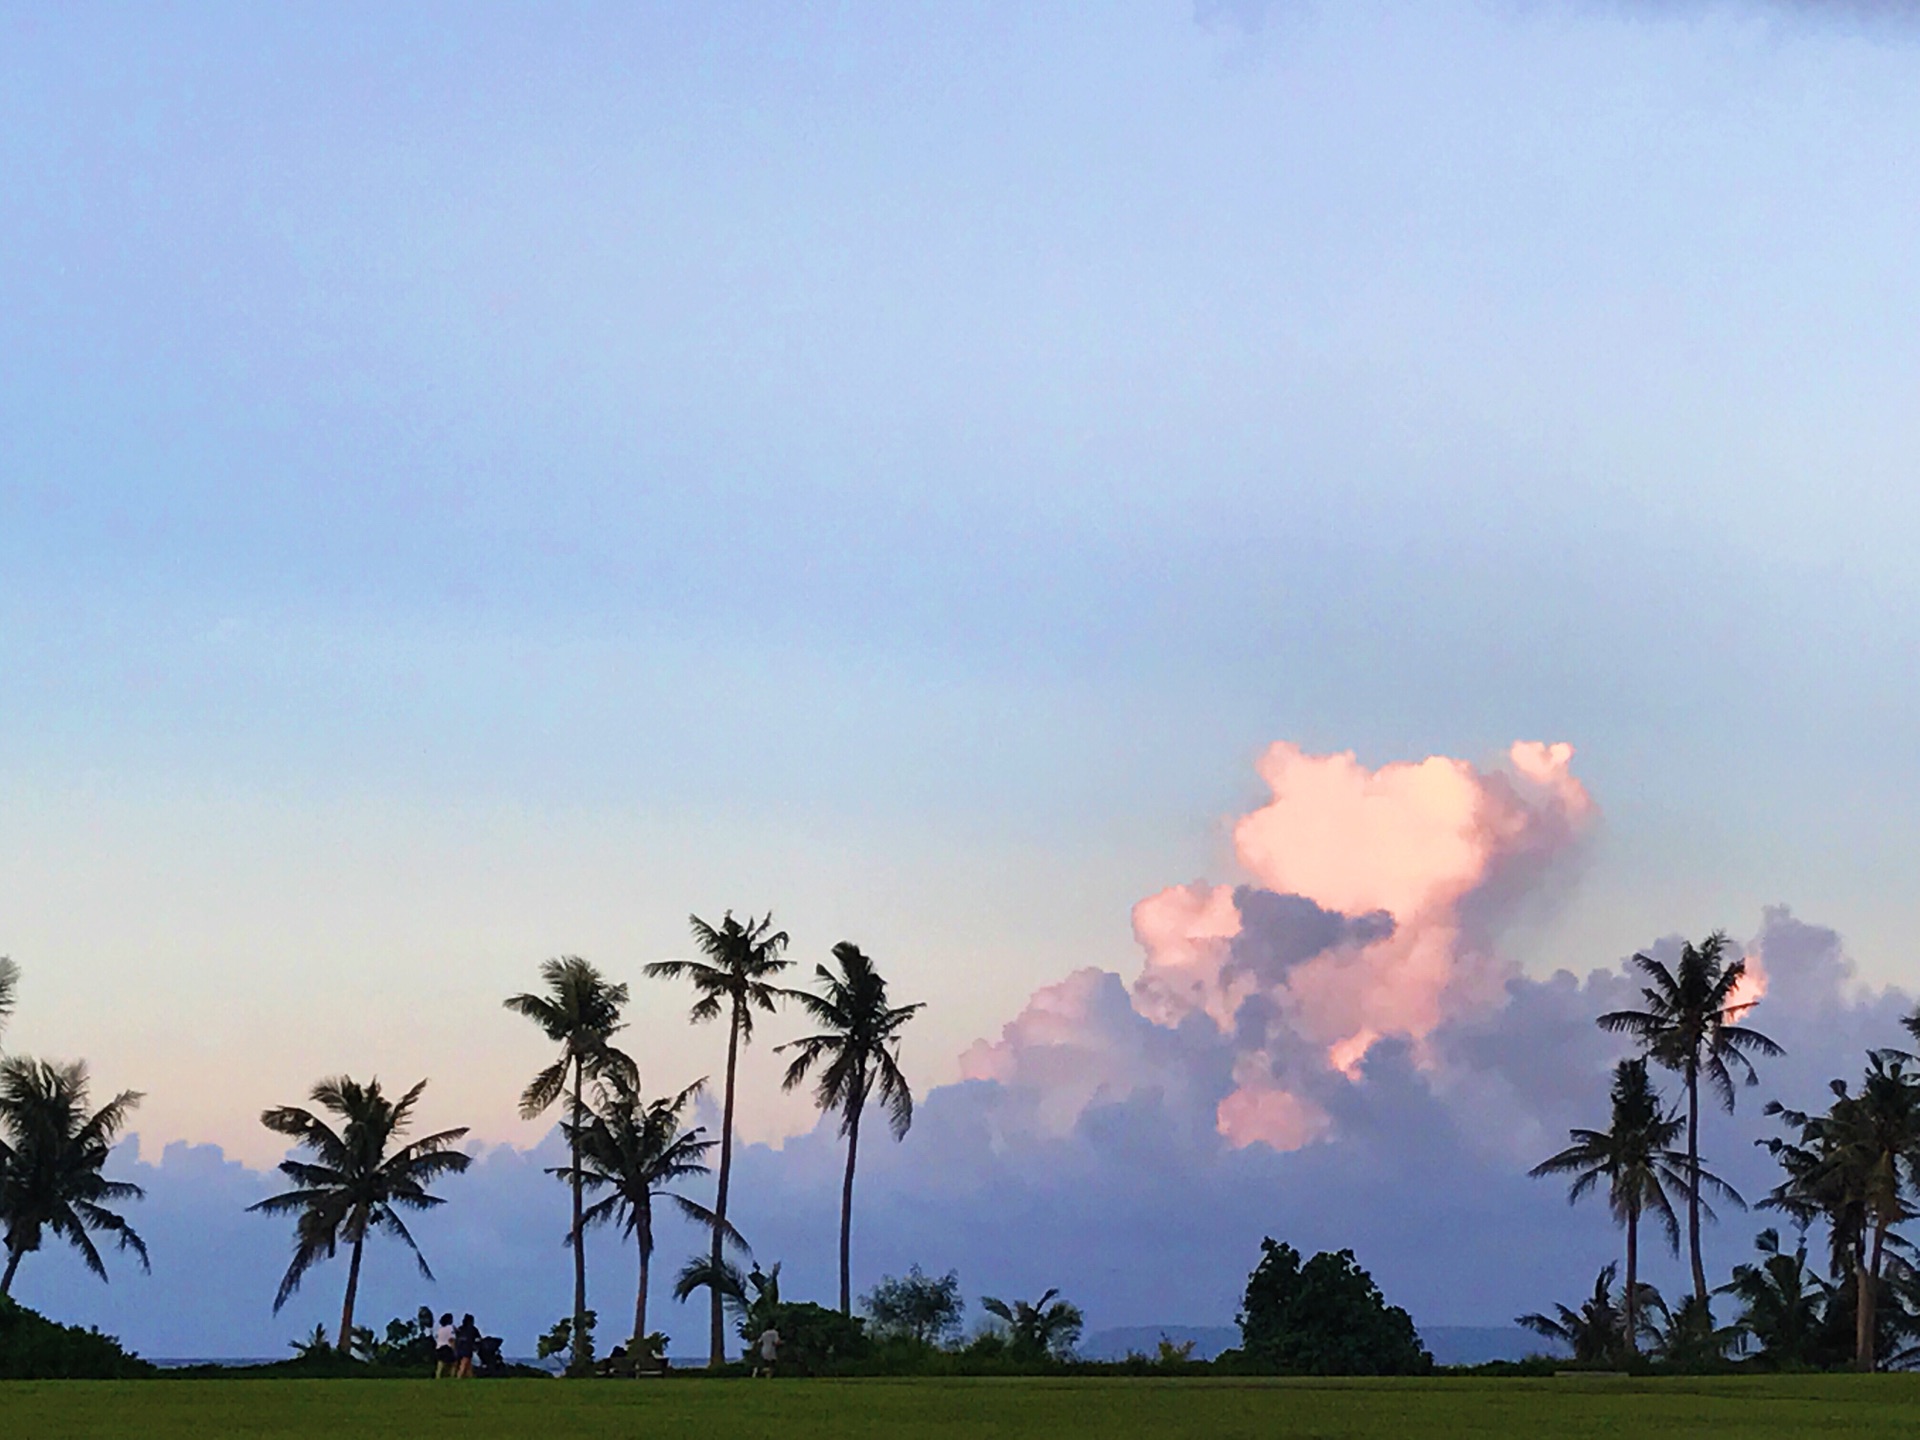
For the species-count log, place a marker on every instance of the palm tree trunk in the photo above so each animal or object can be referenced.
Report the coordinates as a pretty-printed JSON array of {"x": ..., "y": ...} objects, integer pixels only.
[
  {"x": 846, "y": 1208},
  {"x": 1633, "y": 1281},
  {"x": 353, "y": 1289},
  {"x": 1867, "y": 1277},
  {"x": 13, "y": 1264},
  {"x": 1693, "y": 1185},
  {"x": 579, "y": 1359},
  {"x": 638, "y": 1345},
  {"x": 717, "y": 1331}
]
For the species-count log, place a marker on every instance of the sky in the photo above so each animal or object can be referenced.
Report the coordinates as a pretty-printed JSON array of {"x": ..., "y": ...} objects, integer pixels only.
[{"x": 480, "y": 484}]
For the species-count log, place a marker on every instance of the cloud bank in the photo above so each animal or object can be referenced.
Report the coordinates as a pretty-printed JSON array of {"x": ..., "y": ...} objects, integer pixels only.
[{"x": 1331, "y": 1047}]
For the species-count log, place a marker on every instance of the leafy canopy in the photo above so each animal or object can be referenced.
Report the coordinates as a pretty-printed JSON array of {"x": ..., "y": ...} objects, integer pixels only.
[
  {"x": 53, "y": 1154},
  {"x": 1324, "y": 1317}
]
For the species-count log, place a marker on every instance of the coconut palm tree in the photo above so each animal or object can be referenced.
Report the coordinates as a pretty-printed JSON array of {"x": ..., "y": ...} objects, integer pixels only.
[
  {"x": 580, "y": 1012},
  {"x": 1593, "y": 1332},
  {"x": 858, "y": 1055},
  {"x": 1635, "y": 1156},
  {"x": 1691, "y": 1025},
  {"x": 1783, "y": 1304},
  {"x": 734, "y": 980},
  {"x": 1047, "y": 1326},
  {"x": 1858, "y": 1168},
  {"x": 632, "y": 1147},
  {"x": 52, "y": 1155},
  {"x": 9, "y": 986},
  {"x": 355, "y": 1182}
]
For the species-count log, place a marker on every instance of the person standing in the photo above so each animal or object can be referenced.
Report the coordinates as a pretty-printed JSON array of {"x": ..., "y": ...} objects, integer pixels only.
[
  {"x": 768, "y": 1349},
  {"x": 466, "y": 1340},
  {"x": 444, "y": 1357}
]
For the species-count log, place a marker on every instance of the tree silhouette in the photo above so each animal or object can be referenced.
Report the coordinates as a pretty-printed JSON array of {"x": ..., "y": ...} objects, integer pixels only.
[
  {"x": 858, "y": 1055},
  {"x": 1634, "y": 1155},
  {"x": 1593, "y": 1332},
  {"x": 632, "y": 1147},
  {"x": 1857, "y": 1167},
  {"x": 1047, "y": 1326},
  {"x": 354, "y": 1183},
  {"x": 9, "y": 988},
  {"x": 1784, "y": 1304},
  {"x": 579, "y": 1012},
  {"x": 52, "y": 1156},
  {"x": 1690, "y": 1025},
  {"x": 735, "y": 980}
]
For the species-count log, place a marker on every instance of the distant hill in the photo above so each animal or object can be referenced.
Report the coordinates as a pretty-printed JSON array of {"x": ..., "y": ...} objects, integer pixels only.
[
  {"x": 1450, "y": 1344},
  {"x": 1477, "y": 1344}
]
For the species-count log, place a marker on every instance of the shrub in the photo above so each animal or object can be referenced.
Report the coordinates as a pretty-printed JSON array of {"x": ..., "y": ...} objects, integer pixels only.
[
  {"x": 33, "y": 1347},
  {"x": 1325, "y": 1317}
]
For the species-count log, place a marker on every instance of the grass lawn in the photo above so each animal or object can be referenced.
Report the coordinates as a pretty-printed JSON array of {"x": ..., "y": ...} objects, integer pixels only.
[{"x": 1751, "y": 1408}]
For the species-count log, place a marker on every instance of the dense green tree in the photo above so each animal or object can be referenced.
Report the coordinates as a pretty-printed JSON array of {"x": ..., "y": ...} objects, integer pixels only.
[
  {"x": 735, "y": 979},
  {"x": 922, "y": 1307},
  {"x": 857, "y": 1054},
  {"x": 631, "y": 1148},
  {"x": 1784, "y": 1306},
  {"x": 1857, "y": 1167},
  {"x": 1634, "y": 1155},
  {"x": 1691, "y": 1025},
  {"x": 1324, "y": 1317},
  {"x": 356, "y": 1182},
  {"x": 1047, "y": 1327},
  {"x": 53, "y": 1156},
  {"x": 579, "y": 1011}
]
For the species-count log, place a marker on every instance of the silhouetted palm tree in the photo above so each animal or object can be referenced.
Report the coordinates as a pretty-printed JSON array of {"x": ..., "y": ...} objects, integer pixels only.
[
  {"x": 1690, "y": 1025},
  {"x": 1594, "y": 1332},
  {"x": 632, "y": 1147},
  {"x": 52, "y": 1153},
  {"x": 579, "y": 1012},
  {"x": 1047, "y": 1326},
  {"x": 1783, "y": 1304},
  {"x": 1634, "y": 1155},
  {"x": 9, "y": 986},
  {"x": 354, "y": 1184},
  {"x": 735, "y": 979},
  {"x": 1858, "y": 1168},
  {"x": 858, "y": 1052}
]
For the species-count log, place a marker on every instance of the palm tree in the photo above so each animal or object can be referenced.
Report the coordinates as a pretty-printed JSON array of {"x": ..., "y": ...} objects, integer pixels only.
[
  {"x": 52, "y": 1153},
  {"x": 354, "y": 1184},
  {"x": 579, "y": 1012},
  {"x": 1783, "y": 1304},
  {"x": 9, "y": 986},
  {"x": 735, "y": 979},
  {"x": 1594, "y": 1332},
  {"x": 632, "y": 1147},
  {"x": 1691, "y": 1025},
  {"x": 858, "y": 1052},
  {"x": 1045, "y": 1327},
  {"x": 1857, "y": 1167},
  {"x": 1635, "y": 1156}
]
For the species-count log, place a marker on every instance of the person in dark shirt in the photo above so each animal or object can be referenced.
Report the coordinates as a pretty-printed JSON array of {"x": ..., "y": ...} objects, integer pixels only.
[{"x": 466, "y": 1340}]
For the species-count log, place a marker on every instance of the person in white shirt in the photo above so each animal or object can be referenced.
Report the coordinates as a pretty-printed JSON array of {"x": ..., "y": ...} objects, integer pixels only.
[
  {"x": 768, "y": 1346},
  {"x": 444, "y": 1359}
]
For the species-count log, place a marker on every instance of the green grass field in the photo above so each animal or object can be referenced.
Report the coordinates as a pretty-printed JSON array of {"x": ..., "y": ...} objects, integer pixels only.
[{"x": 1752, "y": 1408}]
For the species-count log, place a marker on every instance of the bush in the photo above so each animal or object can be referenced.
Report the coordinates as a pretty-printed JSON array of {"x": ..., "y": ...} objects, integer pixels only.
[
  {"x": 1325, "y": 1317},
  {"x": 33, "y": 1347},
  {"x": 815, "y": 1340}
]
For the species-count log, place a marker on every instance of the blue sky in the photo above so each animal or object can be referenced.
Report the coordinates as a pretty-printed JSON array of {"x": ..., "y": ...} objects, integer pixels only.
[{"x": 479, "y": 483}]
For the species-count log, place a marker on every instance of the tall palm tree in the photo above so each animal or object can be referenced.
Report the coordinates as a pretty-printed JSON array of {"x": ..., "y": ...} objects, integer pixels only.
[
  {"x": 1691, "y": 1025},
  {"x": 1858, "y": 1167},
  {"x": 1635, "y": 1156},
  {"x": 355, "y": 1183},
  {"x": 579, "y": 1012},
  {"x": 632, "y": 1147},
  {"x": 858, "y": 1052},
  {"x": 734, "y": 980},
  {"x": 52, "y": 1154}
]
